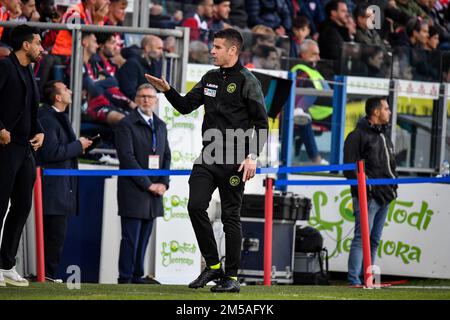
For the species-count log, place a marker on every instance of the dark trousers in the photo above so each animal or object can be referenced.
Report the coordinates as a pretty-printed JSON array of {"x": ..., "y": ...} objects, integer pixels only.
[
  {"x": 203, "y": 181},
  {"x": 17, "y": 175},
  {"x": 55, "y": 228},
  {"x": 135, "y": 236}
]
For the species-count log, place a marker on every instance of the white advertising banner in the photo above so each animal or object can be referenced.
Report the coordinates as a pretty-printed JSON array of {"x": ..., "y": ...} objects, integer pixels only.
[
  {"x": 416, "y": 237},
  {"x": 177, "y": 256},
  {"x": 416, "y": 89},
  {"x": 367, "y": 86}
]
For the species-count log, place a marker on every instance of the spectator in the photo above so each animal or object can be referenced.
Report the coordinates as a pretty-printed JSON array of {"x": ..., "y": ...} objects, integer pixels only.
[
  {"x": 170, "y": 44},
  {"x": 274, "y": 14},
  {"x": 59, "y": 151},
  {"x": 106, "y": 103},
  {"x": 116, "y": 14},
  {"x": 9, "y": 10},
  {"x": 263, "y": 35},
  {"x": 141, "y": 143},
  {"x": 198, "y": 21},
  {"x": 370, "y": 142},
  {"x": 29, "y": 12},
  {"x": 221, "y": 13},
  {"x": 131, "y": 75},
  {"x": 417, "y": 31},
  {"x": 266, "y": 57},
  {"x": 433, "y": 39},
  {"x": 20, "y": 134},
  {"x": 410, "y": 8},
  {"x": 365, "y": 35},
  {"x": 86, "y": 12},
  {"x": 309, "y": 77},
  {"x": 314, "y": 11},
  {"x": 106, "y": 51},
  {"x": 334, "y": 32},
  {"x": 238, "y": 14},
  {"x": 198, "y": 52},
  {"x": 374, "y": 62},
  {"x": 160, "y": 20},
  {"x": 48, "y": 13},
  {"x": 300, "y": 31},
  {"x": 440, "y": 15}
]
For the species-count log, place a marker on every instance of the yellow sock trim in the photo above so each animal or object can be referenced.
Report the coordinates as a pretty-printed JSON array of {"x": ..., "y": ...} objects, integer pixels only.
[
  {"x": 233, "y": 278},
  {"x": 215, "y": 267}
]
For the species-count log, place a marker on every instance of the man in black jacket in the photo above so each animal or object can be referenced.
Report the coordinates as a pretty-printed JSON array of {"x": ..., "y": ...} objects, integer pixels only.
[
  {"x": 20, "y": 132},
  {"x": 141, "y": 143},
  {"x": 59, "y": 151},
  {"x": 131, "y": 74},
  {"x": 333, "y": 32},
  {"x": 234, "y": 102},
  {"x": 370, "y": 142}
]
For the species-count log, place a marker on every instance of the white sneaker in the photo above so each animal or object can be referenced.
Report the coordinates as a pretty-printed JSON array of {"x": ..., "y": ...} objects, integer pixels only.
[
  {"x": 2, "y": 280},
  {"x": 13, "y": 278},
  {"x": 301, "y": 118}
]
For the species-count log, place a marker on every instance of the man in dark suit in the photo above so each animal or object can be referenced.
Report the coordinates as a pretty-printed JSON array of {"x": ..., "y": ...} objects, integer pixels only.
[
  {"x": 141, "y": 143},
  {"x": 59, "y": 151},
  {"x": 19, "y": 133}
]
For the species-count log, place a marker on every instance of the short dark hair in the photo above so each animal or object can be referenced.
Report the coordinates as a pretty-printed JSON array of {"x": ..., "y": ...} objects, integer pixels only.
[
  {"x": 20, "y": 34},
  {"x": 332, "y": 6},
  {"x": 373, "y": 103},
  {"x": 103, "y": 37},
  {"x": 300, "y": 22},
  {"x": 231, "y": 35},
  {"x": 414, "y": 24},
  {"x": 50, "y": 91},
  {"x": 360, "y": 10},
  {"x": 87, "y": 34}
]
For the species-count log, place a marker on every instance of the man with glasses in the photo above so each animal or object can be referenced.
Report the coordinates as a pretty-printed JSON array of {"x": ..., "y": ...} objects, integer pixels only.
[{"x": 141, "y": 143}]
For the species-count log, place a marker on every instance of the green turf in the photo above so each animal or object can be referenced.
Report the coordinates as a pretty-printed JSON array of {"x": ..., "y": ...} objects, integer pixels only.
[{"x": 171, "y": 292}]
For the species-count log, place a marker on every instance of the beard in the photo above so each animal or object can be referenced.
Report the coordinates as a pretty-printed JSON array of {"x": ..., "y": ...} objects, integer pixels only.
[{"x": 34, "y": 57}]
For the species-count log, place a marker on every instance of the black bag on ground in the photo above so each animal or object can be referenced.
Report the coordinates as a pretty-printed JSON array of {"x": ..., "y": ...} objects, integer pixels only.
[
  {"x": 309, "y": 269},
  {"x": 308, "y": 239},
  {"x": 310, "y": 256}
]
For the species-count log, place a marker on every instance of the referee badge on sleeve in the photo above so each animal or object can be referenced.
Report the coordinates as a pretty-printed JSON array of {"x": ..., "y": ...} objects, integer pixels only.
[{"x": 209, "y": 92}]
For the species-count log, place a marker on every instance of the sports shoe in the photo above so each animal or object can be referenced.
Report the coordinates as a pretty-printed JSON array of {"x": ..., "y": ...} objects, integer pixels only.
[
  {"x": 2, "y": 280},
  {"x": 206, "y": 276},
  {"x": 301, "y": 118},
  {"x": 13, "y": 278},
  {"x": 146, "y": 280},
  {"x": 227, "y": 285}
]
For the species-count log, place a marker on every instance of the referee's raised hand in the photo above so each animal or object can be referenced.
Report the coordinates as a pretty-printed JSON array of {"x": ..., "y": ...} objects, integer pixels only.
[{"x": 160, "y": 84}]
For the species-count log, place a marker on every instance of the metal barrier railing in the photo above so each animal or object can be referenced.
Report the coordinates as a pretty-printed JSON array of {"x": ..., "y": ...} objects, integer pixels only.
[{"x": 76, "y": 64}]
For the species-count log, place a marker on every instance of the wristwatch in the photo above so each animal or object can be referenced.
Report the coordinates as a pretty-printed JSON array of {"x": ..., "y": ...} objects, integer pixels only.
[{"x": 252, "y": 156}]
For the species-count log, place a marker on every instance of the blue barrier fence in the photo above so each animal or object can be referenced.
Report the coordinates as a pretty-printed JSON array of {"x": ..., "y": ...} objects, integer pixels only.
[
  {"x": 158, "y": 173},
  {"x": 270, "y": 170}
]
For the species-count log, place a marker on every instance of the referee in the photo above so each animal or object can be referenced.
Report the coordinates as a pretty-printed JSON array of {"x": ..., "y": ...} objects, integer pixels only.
[{"x": 234, "y": 102}]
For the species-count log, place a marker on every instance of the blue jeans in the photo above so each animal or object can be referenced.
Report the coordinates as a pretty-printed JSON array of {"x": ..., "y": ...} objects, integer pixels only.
[
  {"x": 135, "y": 237},
  {"x": 308, "y": 139},
  {"x": 377, "y": 217}
]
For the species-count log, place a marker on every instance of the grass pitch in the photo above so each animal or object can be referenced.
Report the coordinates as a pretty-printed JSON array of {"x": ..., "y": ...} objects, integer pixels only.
[{"x": 423, "y": 290}]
